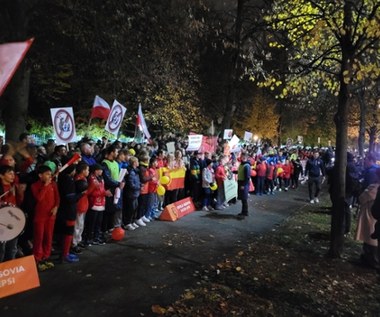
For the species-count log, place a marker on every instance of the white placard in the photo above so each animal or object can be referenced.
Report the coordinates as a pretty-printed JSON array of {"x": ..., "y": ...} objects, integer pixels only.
[
  {"x": 115, "y": 118},
  {"x": 195, "y": 142},
  {"x": 247, "y": 136},
  {"x": 227, "y": 134},
  {"x": 170, "y": 147},
  {"x": 63, "y": 124}
]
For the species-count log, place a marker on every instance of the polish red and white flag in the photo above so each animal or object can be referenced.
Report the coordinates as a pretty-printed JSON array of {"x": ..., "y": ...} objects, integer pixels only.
[
  {"x": 11, "y": 55},
  {"x": 100, "y": 109}
]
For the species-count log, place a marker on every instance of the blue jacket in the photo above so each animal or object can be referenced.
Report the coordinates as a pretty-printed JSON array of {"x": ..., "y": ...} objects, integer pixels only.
[
  {"x": 132, "y": 183},
  {"x": 314, "y": 167}
]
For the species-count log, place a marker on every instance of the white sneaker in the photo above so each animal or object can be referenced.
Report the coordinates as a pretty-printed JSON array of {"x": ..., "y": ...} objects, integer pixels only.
[
  {"x": 279, "y": 189},
  {"x": 312, "y": 201},
  {"x": 135, "y": 225},
  {"x": 131, "y": 227},
  {"x": 145, "y": 219},
  {"x": 205, "y": 208},
  {"x": 140, "y": 222},
  {"x": 316, "y": 199}
]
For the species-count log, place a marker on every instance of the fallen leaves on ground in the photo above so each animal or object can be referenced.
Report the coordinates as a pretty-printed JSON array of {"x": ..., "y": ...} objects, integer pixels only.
[{"x": 285, "y": 273}]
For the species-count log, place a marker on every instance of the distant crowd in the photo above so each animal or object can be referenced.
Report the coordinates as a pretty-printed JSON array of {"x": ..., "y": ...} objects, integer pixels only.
[{"x": 77, "y": 195}]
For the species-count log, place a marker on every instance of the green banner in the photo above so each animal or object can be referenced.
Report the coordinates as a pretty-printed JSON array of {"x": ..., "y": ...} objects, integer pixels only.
[{"x": 230, "y": 189}]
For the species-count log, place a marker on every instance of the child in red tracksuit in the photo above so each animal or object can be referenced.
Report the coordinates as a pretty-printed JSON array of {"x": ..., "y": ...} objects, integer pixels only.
[
  {"x": 287, "y": 168},
  {"x": 97, "y": 205},
  {"x": 270, "y": 178},
  {"x": 153, "y": 212},
  {"x": 261, "y": 169},
  {"x": 45, "y": 192}
]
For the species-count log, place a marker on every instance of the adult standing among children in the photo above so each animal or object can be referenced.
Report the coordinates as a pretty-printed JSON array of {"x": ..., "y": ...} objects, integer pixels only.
[
  {"x": 369, "y": 174},
  {"x": 366, "y": 226},
  {"x": 111, "y": 170},
  {"x": 87, "y": 153},
  {"x": 196, "y": 178},
  {"x": 244, "y": 176},
  {"x": 315, "y": 171},
  {"x": 131, "y": 194}
]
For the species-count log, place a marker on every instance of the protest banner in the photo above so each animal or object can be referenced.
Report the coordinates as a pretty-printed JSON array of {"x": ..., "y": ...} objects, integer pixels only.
[
  {"x": 177, "y": 210},
  {"x": 18, "y": 275}
]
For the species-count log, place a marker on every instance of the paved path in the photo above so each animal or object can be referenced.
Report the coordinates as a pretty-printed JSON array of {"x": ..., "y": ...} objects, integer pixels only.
[{"x": 152, "y": 265}]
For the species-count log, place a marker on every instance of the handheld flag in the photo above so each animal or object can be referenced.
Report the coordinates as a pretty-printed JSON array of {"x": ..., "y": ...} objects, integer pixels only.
[
  {"x": 100, "y": 109},
  {"x": 141, "y": 123},
  {"x": 11, "y": 56}
]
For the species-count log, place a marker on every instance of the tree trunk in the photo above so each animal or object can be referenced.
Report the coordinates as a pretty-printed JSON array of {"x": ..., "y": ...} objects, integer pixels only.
[
  {"x": 363, "y": 117},
  {"x": 16, "y": 96},
  {"x": 16, "y": 108},
  {"x": 231, "y": 90},
  {"x": 372, "y": 131},
  {"x": 341, "y": 123}
]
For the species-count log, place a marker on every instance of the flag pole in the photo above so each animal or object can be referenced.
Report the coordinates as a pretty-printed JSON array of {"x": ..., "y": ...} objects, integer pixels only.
[{"x": 89, "y": 124}]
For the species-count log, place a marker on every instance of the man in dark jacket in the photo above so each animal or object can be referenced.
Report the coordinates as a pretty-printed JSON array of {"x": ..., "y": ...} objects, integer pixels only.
[{"x": 315, "y": 170}]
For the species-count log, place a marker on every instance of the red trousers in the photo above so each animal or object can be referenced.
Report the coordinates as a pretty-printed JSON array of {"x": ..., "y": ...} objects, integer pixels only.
[{"x": 43, "y": 237}]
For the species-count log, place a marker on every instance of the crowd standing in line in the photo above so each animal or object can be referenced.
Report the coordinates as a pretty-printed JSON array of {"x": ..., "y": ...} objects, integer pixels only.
[{"x": 115, "y": 185}]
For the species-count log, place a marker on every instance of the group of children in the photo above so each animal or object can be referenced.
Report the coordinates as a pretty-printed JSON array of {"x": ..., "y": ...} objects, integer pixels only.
[{"x": 81, "y": 204}]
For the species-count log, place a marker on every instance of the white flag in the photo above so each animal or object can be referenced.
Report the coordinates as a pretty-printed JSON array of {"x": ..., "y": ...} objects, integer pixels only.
[{"x": 141, "y": 123}]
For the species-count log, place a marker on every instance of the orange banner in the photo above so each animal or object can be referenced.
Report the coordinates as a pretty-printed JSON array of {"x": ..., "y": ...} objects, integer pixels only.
[
  {"x": 178, "y": 209},
  {"x": 18, "y": 275}
]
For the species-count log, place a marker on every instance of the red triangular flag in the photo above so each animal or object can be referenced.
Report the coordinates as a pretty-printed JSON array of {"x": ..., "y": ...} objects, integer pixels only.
[{"x": 11, "y": 55}]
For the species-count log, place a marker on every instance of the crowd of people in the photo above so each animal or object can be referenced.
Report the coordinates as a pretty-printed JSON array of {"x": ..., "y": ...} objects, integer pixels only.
[{"x": 75, "y": 196}]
